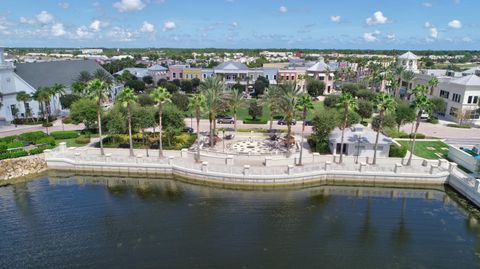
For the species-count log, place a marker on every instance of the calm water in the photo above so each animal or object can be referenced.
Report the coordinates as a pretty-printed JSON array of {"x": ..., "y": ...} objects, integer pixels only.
[{"x": 89, "y": 223}]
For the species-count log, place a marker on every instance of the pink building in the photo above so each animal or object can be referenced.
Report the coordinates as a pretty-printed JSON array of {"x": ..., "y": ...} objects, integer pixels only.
[{"x": 322, "y": 72}]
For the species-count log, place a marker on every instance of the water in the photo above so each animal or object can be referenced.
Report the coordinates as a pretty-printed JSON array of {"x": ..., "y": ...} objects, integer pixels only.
[{"x": 119, "y": 223}]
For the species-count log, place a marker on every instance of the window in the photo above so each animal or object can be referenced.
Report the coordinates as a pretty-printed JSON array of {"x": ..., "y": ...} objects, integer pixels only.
[
  {"x": 275, "y": 77},
  {"x": 181, "y": 75},
  {"x": 456, "y": 97},
  {"x": 174, "y": 75},
  {"x": 472, "y": 100},
  {"x": 453, "y": 111},
  {"x": 473, "y": 114},
  {"x": 266, "y": 76},
  {"x": 321, "y": 78},
  {"x": 204, "y": 75},
  {"x": 444, "y": 94},
  {"x": 293, "y": 77},
  {"x": 286, "y": 77}
]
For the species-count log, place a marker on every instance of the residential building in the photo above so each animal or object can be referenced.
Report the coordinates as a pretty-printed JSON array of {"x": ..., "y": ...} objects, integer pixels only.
[
  {"x": 191, "y": 73},
  {"x": 29, "y": 77},
  {"x": 176, "y": 71},
  {"x": 206, "y": 73},
  {"x": 158, "y": 72},
  {"x": 359, "y": 141},
  {"x": 271, "y": 74},
  {"x": 139, "y": 73},
  {"x": 409, "y": 61},
  {"x": 323, "y": 72},
  {"x": 232, "y": 73}
]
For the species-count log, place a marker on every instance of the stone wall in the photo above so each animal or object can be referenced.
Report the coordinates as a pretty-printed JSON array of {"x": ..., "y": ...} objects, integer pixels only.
[{"x": 23, "y": 166}]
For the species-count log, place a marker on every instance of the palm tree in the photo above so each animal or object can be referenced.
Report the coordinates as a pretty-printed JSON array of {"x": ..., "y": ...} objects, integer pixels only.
[
  {"x": 212, "y": 88},
  {"x": 235, "y": 101},
  {"x": 197, "y": 103},
  {"x": 270, "y": 98},
  {"x": 161, "y": 96},
  {"x": 421, "y": 104},
  {"x": 384, "y": 103},
  {"x": 408, "y": 76},
  {"x": 304, "y": 104},
  {"x": 347, "y": 103},
  {"x": 55, "y": 90},
  {"x": 42, "y": 96},
  {"x": 103, "y": 75},
  {"x": 127, "y": 98},
  {"x": 24, "y": 97},
  {"x": 289, "y": 94},
  {"x": 80, "y": 85},
  {"x": 98, "y": 91}
]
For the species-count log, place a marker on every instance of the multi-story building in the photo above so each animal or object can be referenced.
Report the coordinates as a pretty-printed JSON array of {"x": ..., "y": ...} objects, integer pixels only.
[
  {"x": 191, "y": 73},
  {"x": 233, "y": 73},
  {"x": 176, "y": 71},
  {"x": 323, "y": 72}
]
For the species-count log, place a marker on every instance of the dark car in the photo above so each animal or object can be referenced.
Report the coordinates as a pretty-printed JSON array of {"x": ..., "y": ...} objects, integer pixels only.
[
  {"x": 187, "y": 130},
  {"x": 226, "y": 120},
  {"x": 284, "y": 122},
  {"x": 308, "y": 123}
]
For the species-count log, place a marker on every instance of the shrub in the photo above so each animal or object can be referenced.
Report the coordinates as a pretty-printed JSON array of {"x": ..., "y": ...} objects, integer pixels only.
[
  {"x": 15, "y": 154},
  {"x": 433, "y": 120},
  {"x": 64, "y": 134},
  {"x": 419, "y": 136},
  {"x": 463, "y": 126},
  {"x": 67, "y": 120},
  {"x": 49, "y": 140},
  {"x": 14, "y": 144},
  {"x": 32, "y": 136},
  {"x": 318, "y": 145},
  {"x": 83, "y": 139},
  {"x": 47, "y": 124},
  {"x": 3, "y": 148},
  {"x": 397, "y": 151},
  {"x": 39, "y": 150},
  {"x": 257, "y": 121},
  {"x": 330, "y": 101},
  {"x": 394, "y": 133}
]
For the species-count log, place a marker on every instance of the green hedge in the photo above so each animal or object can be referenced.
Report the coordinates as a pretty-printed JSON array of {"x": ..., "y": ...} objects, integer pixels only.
[
  {"x": 397, "y": 151},
  {"x": 250, "y": 121},
  {"x": 16, "y": 154},
  {"x": 419, "y": 136},
  {"x": 64, "y": 134},
  {"x": 83, "y": 139},
  {"x": 32, "y": 136},
  {"x": 46, "y": 140},
  {"x": 462, "y": 126}
]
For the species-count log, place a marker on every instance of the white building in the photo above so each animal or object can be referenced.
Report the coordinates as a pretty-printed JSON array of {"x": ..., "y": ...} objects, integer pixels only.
[
  {"x": 29, "y": 77},
  {"x": 409, "y": 61},
  {"x": 359, "y": 141}
]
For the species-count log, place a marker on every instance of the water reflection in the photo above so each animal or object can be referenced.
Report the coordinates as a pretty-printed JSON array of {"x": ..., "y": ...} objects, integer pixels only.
[{"x": 103, "y": 222}]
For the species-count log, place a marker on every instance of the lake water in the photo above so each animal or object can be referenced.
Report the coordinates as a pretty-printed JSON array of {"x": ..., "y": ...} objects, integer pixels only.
[{"x": 87, "y": 222}]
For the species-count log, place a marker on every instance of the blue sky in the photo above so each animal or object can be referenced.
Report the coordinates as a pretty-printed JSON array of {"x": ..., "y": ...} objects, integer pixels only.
[{"x": 363, "y": 24}]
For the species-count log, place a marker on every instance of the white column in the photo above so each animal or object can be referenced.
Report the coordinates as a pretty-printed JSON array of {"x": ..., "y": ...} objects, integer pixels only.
[
  {"x": 291, "y": 169},
  {"x": 229, "y": 160},
  {"x": 328, "y": 165},
  {"x": 170, "y": 160},
  {"x": 184, "y": 153},
  {"x": 362, "y": 167},
  {"x": 246, "y": 170},
  {"x": 205, "y": 167},
  {"x": 62, "y": 147},
  {"x": 398, "y": 167},
  {"x": 433, "y": 169}
]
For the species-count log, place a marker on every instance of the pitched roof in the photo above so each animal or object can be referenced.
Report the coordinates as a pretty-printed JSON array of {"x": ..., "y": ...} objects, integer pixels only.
[
  {"x": 470, "y": 80},
  {"x": 136, "y": 71},
  {"x": 157, "y": 67},
  {"x": 46, "y": 74},
  {"x": 231, "y": 66},
  {"x": 408, "y": 56},
  {"x": 319, "y": 67}
]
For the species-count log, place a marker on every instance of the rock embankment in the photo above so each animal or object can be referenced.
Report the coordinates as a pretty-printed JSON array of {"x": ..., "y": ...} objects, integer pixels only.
[{"x": 23, "y": 166}]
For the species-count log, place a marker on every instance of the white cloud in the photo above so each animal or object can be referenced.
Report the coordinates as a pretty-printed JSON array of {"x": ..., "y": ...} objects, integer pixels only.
[
  {"x": 283, "y": 9},
  {"x": 121, "y": 34},
  {"x": 391, "y": 37},
  {"x": 377, "y": 18},
  {"x": 169, "y": 25},
  {"x": 58, "y": 29},
  {"x": 370, "y": 37},
  {"x": 83, "y": 33},
  {"x": 467, "y": 39},
  {"x": 335, "y": 18},
  {"x": 428, "y": 24},
  {"x": 434, "y": 32},
  {"x": 129, "y": 5},
  {"x": 64, "y": 5},
  {"x": 44, "y": 17},
  {"x": 147, "y": 27},
  {"x": 427, "y": 4},
  {"x": 96, "y": 25},
  {"x": 27, "y": 20},
  {"x": 455, "y": 24},
  {"x": 235, "y": 24}
]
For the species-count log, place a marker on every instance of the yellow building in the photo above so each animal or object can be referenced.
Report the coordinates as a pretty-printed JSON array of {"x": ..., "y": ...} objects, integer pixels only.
[{"x": 191, "y": 73}]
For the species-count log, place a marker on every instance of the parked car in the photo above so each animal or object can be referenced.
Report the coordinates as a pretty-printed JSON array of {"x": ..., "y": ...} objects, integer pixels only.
[
  {"x": 308, "y": 123},
  {"x": 284, "y": 122},
  {"x": 424, "y": 115},
  {"x": 226, "y": 120},
  {"x": 187, "y": 130}
]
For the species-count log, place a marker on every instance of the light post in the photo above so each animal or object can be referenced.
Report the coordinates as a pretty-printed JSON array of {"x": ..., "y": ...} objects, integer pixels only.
[
  {"x": 358, "y": 137},
  {"x": 223, "y": 139},
  {"x": 191, "y": 120}
]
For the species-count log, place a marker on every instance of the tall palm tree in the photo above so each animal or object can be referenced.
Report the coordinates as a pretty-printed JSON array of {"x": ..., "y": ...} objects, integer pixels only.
[
  {"x": 421, "y": 104},
  {"x": 161, "y": 96},
  {"x": 212, "y": 88},
  {"x": 24, "y": 98},
  {"x": 103, "y": 75},
  {"x": 270, "y": 98},
  {"x": 128, "y": 98},
  {"x": 56, "y": 90},
  {"x": 384, "y": 103},
  {"x": 42, "y": 96},
  {"x": 408, "y": 76},
  {"x": 235, "y": 101},
  {"x": 289, "y": 94},
  {"x": 304, "y": 104},
  {"x": 98, "y": 91},
  {"x": 346, "y": 102},
  {"x": 197, "y": 103}
]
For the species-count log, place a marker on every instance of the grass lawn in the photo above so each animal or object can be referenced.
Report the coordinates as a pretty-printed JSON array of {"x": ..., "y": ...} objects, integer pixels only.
[{"x": 427, "y": 149}]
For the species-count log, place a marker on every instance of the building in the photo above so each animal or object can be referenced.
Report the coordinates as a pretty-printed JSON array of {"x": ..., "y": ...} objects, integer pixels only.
[
  {"x": 409, "y": 61},
  {"x": 176, "y": 71},
  {"x": 323, "y": 72},
  {"x": 139, "y": 73},
  {"x": 233, "y": 73},
  {"x": 466, "y": 156},
  {"x": 191, "y": 73},
  {"x": 29, "y": 77},
  {"x": 158, "y": 72},
  {"x": 359, "y": 141}
]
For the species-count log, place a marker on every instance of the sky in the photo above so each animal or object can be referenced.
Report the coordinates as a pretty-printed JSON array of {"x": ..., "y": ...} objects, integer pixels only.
[{"x": 315, "y": 24}]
